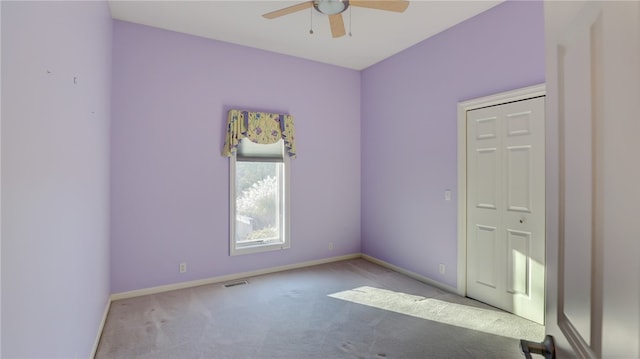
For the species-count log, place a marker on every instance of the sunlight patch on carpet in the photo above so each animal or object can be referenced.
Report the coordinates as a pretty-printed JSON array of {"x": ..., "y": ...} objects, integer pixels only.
[{"x": 459, "y": 315}]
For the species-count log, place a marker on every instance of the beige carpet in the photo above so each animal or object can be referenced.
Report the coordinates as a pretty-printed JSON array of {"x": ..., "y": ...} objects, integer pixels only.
[{"x": 350, "y": 309}]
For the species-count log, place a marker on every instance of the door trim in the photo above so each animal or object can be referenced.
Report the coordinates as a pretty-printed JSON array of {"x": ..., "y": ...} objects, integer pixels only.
[{"x": 463, "y": 107}]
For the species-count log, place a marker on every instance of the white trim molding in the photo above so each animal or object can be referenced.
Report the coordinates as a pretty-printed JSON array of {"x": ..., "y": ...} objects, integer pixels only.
[
  {"x": 463, "y": 107},
  {"x": 242, "y": 275},
  {"x": 228, "y": 278},
  {"x": 101, "y": 328},
  {"x": 410, "y": 274}
]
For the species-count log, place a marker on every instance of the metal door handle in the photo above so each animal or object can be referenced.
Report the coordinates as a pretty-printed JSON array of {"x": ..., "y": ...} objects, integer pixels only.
[{"x": 546, "y": 348}]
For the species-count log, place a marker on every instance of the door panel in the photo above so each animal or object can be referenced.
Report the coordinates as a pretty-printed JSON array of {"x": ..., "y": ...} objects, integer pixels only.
[
  {"x": 593, "y": 76},
  {"x": 486, "y": 128},
  {"x": 486, "y": 245},
  {"x": 486, "y": 168},
  {"x": 518, "y": 178},
  {"x": 518, "y": 249},
  {"x": 576, "y": 197},
  {"x": 505, "y": 207},
  {"x": 519, "y": 124}
]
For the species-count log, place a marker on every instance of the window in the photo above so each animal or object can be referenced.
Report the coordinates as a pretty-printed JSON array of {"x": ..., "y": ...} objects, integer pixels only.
[{"x": 259, "y": 198}]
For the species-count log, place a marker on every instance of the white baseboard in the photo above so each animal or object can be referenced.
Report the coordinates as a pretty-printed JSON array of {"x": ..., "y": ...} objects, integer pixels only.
[
  {"x": 411, "y": 274},
  {"x": 100, "y": 328},
  {"x": 227, "y": 278},
  {"x": 235, "y": 276}
]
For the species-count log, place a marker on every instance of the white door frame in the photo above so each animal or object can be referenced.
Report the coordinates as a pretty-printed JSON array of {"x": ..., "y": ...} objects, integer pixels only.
[{"x": 463, "y": 107}]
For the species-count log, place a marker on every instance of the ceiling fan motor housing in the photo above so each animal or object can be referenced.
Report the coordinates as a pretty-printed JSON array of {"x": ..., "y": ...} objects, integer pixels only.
[
  {"x": 330, "y": 7},
  {"x": 334, "y": 8}
]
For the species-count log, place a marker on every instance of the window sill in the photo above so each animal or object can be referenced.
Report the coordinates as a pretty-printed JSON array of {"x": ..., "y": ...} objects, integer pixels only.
[{"x": 258, "y": 248}]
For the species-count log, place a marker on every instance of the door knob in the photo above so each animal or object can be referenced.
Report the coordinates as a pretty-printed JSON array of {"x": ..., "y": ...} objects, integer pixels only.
[{"x": 546, "y": 348}]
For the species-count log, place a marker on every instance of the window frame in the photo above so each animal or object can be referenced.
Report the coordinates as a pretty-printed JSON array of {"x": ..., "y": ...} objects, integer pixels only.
[{"x": 285, "y": 242}]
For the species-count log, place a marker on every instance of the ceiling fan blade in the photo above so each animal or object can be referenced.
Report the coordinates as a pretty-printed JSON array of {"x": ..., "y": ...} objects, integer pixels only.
[
  {"x": 288, "y": 10},
  {"x": 337, "y": 25},
  {"x": 388, "y": 5}
]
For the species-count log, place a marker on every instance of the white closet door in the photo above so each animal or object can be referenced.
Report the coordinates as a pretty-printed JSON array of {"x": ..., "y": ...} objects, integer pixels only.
[{"x": 506, "y": 207}]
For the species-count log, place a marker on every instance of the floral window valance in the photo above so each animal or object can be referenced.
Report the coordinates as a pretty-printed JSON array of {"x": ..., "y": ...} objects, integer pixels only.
[{"x": 259, "y": 127}]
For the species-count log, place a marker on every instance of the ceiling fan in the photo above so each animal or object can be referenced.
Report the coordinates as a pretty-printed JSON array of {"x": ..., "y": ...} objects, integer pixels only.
[{"x": 335, "y": 8}]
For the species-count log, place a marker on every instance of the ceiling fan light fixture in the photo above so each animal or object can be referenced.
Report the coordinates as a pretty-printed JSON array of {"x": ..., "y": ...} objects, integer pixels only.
[{"x": 331, "y": 7}]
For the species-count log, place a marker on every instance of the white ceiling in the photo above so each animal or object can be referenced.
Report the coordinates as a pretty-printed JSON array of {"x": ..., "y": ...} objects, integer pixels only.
[{"x": 376, "y": 34}]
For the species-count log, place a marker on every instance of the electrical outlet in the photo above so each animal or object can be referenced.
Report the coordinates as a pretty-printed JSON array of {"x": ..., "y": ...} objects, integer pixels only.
[
  {"x": 183, "y": 267},
  {"x": 330, "y": 246},
  {"x": 442, "y": 268}
]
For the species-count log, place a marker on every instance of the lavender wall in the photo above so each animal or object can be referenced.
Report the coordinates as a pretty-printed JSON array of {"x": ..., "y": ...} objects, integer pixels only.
[
  {"x": 55, "y": 245},
  {"x": 409, "y": 132},
  {"x": 170, "y": 198},
  {"x": 0, "y": 185}
]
